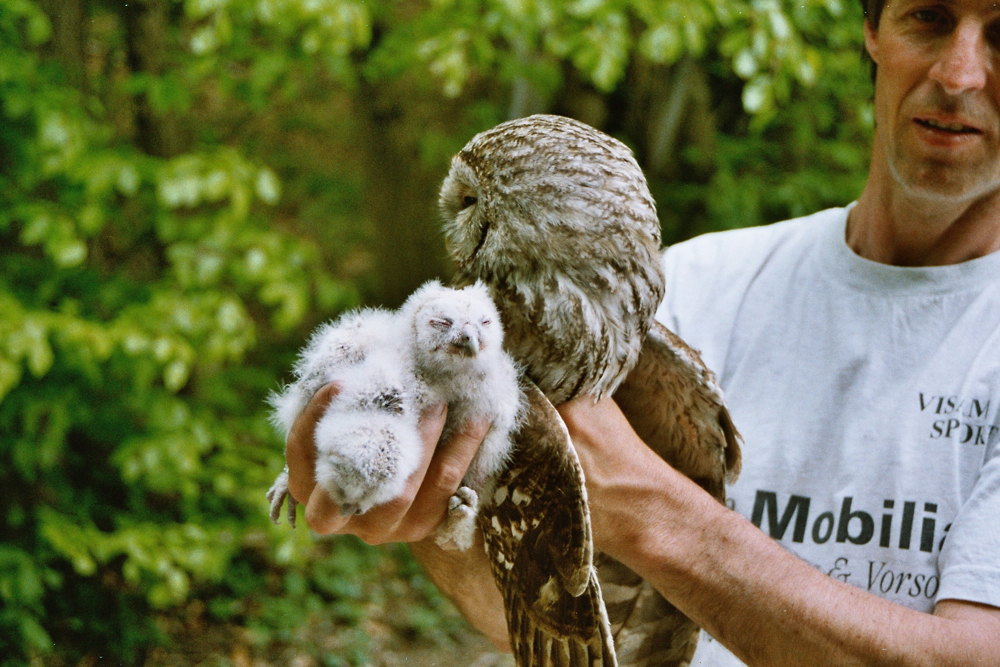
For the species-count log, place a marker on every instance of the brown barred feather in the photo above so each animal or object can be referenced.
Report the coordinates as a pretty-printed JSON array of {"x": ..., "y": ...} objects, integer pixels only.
[
  {"x": 693, "y": 432},
  {"x": 537, "y": 533}
]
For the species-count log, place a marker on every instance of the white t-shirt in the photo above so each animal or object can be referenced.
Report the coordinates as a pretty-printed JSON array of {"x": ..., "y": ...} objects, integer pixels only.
[{"x": 868, "y": 397}]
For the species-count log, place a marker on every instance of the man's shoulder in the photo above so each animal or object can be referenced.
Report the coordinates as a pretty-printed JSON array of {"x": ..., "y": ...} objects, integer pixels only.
[
  {"x": 707, "y": 277},
  {"x": 749, "y": 247}
]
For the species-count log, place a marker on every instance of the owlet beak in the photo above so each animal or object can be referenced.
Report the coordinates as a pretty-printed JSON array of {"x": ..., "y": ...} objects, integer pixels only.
[{"x": 466, "y": 342}]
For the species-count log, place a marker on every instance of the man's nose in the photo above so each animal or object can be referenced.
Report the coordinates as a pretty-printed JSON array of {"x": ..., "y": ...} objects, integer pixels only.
[{"x": 963, "y": 62}]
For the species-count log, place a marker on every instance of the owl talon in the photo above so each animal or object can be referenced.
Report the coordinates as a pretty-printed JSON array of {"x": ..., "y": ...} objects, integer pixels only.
[
  {"x": 276, "y": 496},
  {"x": 459, "y": 528},
  {"x": 464, "y": 496}
]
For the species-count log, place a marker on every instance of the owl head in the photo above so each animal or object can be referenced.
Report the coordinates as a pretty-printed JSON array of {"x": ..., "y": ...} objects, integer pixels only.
[
  {"x": 451, "y": 324},
  {"x": 545, "y": 193},
  {"x": 556, "y": 219}
]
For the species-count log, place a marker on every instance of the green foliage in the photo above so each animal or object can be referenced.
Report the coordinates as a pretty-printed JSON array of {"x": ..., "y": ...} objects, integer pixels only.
[
  {"x": 134, "y": 291},
  {"x": 789, "y": 93},
  {"x": 175, "y": 217}
]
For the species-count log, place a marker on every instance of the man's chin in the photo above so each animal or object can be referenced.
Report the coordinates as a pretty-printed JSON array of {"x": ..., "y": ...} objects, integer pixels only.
[{"x": 944, "y": 183}]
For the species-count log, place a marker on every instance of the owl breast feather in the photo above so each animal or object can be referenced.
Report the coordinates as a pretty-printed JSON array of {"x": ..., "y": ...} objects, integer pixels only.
[{"x": 574, "y": 336}]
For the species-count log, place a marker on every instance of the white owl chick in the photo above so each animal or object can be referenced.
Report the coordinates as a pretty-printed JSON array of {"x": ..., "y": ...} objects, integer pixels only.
[
  {"x": 458, "y": 358},
  {"x": 334, "y": 347},
  {"x": 366, "y": 441},
  {"x": 443, "y": 346}
]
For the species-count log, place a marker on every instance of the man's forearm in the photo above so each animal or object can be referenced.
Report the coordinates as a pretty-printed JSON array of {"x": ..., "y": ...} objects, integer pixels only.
[
  {"x": 465, "y": 578},
  {"x": 762, "y": 602},
  {"x": 771, "y": 608}
]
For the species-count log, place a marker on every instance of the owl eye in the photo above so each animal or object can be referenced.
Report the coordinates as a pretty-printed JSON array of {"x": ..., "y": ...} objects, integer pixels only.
[
  {"x": 468, "y": 200},
  {"x": 487, "y": 322},
  {"x": 440, "y": 322}
]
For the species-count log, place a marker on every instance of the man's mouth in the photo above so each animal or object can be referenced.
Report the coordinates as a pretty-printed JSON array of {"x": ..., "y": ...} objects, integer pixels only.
[{"x": 941, "y": 126}]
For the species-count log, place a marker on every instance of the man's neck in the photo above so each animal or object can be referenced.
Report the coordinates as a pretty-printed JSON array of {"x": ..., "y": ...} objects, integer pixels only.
[{"x": 890, "y": 226}]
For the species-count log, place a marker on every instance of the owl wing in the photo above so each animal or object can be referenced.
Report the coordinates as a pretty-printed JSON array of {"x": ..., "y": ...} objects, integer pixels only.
[
  {"x": 675, "y": 405},
  {"x": 537, "y": 533}
]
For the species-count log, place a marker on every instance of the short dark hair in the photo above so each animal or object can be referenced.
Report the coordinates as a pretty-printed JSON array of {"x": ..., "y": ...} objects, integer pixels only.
[{"x": 873, "y": 10}]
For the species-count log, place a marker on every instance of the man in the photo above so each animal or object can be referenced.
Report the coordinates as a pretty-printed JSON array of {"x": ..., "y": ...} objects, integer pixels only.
[{"x": 860, "y": 354}]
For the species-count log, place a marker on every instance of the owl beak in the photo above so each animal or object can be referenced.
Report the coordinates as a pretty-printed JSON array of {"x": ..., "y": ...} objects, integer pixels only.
[{"x": 466, "y": 342}]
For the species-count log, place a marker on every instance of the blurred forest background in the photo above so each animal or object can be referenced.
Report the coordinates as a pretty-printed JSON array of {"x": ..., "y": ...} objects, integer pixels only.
[{"x": 188, "y": 187}]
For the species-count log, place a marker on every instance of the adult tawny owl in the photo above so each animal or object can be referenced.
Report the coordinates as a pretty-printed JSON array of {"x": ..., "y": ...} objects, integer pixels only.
[{"x": 556, "y": 218}]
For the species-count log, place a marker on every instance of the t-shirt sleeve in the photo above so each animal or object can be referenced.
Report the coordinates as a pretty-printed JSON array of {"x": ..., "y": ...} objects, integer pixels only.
[
  {"x": 970, "y": 559},
  {"x": 697, "y": 274},
  {"x": 707, "y": 276}
]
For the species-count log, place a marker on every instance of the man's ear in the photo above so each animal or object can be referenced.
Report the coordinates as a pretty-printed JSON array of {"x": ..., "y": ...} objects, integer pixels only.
[{"x": 871, "y": 40}]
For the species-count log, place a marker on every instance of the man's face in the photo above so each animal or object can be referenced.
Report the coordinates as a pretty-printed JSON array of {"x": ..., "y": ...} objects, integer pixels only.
[{"x": 937, "y": 96}]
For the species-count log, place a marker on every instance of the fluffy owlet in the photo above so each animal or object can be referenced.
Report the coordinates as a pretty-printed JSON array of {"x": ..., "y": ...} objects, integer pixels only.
[
  {"x": 456, "y": 345},
  {"x": 364, "y": 352},
  {"x": 556, "y": 218},
  {"x": 443, "y": 345}
]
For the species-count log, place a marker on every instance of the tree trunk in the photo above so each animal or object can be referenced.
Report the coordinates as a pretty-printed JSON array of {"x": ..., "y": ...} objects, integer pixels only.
[
  {"x": 147, "y": 26},
  {"x": 66, "y": 45},
  {"x": 400, "y": 198}
]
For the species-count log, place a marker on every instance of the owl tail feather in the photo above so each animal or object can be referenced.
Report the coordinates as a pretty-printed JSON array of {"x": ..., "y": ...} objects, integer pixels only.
[
  {"x": 537, "y": 534},
  {"x": 539, "y": 646}
]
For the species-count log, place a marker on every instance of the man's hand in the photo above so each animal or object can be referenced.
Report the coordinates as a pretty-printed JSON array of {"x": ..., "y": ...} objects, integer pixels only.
[
  {"x": 465, "y": 577},
  {"x": 409, "y": 518},
  {"x": 616, "y": 464}
]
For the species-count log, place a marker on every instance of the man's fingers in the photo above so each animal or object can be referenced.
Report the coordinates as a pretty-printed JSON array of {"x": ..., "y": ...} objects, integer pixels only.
[
  {"x": 322, "y": 514},
  {"x": 445, "y": 471},
  {"x": 430, "y": 426},
  {"x": 385, "y": 523},
  {"x": 381, "y": 523},
  {"x": 390, "y": 521},
  {"x": 300, "y": 450},
  {"x": 421, "y": 507}
]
